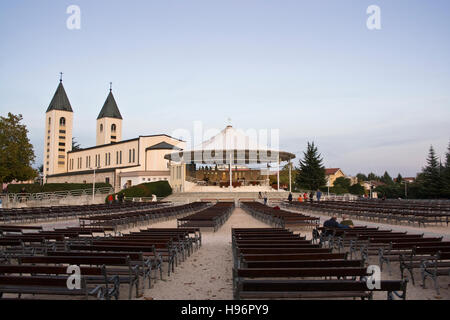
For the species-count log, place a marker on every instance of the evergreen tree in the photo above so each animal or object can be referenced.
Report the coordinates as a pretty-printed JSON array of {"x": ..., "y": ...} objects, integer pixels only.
[
  {"x": 446, "y": 174},
  {"x": 75, "y": 145},
  {"x": 399, "y": 179},
  {"x": 373, "y": 177},
  {"x": 311, "y": 173},
  {"x": 432, "y": 181},
  {"x": 386, "y": 178}
]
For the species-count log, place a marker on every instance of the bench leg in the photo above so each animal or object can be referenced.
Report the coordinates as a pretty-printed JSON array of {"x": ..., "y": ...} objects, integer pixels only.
[{"x": 436, "y": 284}]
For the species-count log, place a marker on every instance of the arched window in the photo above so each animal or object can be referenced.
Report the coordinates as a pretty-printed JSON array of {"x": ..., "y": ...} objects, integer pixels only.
[
  {"x": 62, "y": 122},
  {"x": 101, "y": 128},
  {"x": 49, "y": 121},
  {"x": 113, "y": 128}
]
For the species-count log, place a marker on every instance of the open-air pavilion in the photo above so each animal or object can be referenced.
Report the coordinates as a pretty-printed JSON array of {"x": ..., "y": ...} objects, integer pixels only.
[{"x": 233, "y": 147}]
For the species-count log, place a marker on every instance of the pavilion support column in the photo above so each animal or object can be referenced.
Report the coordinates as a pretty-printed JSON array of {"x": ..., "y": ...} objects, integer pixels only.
[
  {"x": 278, "y": 173},
  {"x": 290, "y": 176},
  {"x": 231, "y": 175}
]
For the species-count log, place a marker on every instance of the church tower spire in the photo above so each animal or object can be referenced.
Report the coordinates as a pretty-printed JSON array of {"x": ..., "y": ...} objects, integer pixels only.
[
  {"x": 109, "y": 121},
  {"x": 58, "y": 132}
]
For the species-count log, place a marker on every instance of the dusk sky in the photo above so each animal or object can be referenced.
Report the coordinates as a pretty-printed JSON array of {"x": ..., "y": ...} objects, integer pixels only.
[{"x": 372, "y": 100}]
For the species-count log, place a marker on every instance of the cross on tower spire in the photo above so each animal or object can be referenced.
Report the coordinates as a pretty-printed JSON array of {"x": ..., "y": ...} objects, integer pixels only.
[
  {"x": 61, "y": 77},
  {"x": 110, "y": 87}
]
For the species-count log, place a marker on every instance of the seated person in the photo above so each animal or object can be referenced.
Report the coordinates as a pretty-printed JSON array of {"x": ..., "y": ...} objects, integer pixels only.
[
  {"x": 346, "y": 221},
  {"x": 332, "y": 223},
  {"x": 276, "y": 208}
]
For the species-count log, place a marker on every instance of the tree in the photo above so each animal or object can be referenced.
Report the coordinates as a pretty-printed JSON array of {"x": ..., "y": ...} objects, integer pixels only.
[
  {"x": 386, "y": 178},
  {"x": 284, "y": 177},
  {"x": 361, "y": 177},
  {"x": 343, "y": 182},
  {"x": 75, "y": 145},
  {"x": 399, "y": 179},
  {"x": 16, "y": 151},
  {"x": 357, "y": 189},
  {"x": 311, "y": 173},
  {"x": 446, "y": 175},
  {"x": 373, "y": 177},
  {"x": 432, "y": 181}
]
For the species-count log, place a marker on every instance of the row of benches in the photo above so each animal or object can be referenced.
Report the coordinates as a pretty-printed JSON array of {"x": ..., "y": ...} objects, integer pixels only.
[
  {"x": 35, "y": 214},
  {"x": 134, "y": 218},
  {"x": 105, "y": 262},
  {"x": 274, "y": 263},
  {"x": 211, "y": 217},
  {"x": 279, "y": 218},
  {"x": 380, "y": 212},
  {"x": 412, "y": 251}
]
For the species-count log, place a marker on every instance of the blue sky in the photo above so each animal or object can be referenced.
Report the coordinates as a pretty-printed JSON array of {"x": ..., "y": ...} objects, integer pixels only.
[{"x": 371, "y": 100}]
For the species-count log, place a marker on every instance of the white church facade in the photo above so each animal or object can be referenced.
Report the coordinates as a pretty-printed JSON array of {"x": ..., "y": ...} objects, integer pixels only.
[{"x": 115, "y": 161}]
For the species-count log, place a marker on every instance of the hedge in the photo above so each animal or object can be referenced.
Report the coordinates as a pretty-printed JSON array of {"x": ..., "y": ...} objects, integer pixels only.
[
  {"x": 53, "y": 187},
  {"x": 161, "y": 189}
]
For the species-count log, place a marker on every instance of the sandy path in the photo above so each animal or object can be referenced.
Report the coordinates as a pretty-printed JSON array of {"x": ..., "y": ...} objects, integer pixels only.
[{"x": 206, "y": 274}]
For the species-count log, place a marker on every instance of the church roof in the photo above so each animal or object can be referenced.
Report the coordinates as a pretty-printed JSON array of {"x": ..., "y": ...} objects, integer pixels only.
[
  {"x": 60, "y": 100},
  {"x": 163, "y": 146},
  {"x": 110, "y": 108}
]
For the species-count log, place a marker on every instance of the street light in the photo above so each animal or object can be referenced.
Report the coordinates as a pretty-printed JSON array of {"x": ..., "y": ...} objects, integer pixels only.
[
  {"x": 406, "y": 188},
  {"x": 93, "y": 185},
  {"x": 328, "y": 185}
]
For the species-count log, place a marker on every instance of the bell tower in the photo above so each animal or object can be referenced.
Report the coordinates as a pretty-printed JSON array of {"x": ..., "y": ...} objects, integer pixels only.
[
  {"x": 109, "y": 122},
  {"x": 58, "y": 132}
]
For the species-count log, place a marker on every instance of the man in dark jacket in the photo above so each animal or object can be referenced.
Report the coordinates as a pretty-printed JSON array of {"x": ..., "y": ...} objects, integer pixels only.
[{"x": 332, "y": 223}]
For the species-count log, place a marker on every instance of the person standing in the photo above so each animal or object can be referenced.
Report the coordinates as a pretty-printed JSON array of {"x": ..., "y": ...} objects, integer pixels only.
[
  {"x": 290, "y": 197},
  {"x": 110, "y": 199},
  {"x": 265, "y": 198},
  {"x": 311, "y": 197},
  {"x": 120, "y": 197},
  {"x": 318, "y": 195}
]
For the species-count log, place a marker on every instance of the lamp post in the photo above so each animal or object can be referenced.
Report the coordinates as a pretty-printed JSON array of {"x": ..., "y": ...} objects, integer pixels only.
[
  {"x": 278, "y": 173},
  {"x": 406, "y": 189},
  {"x": 328, "y": 185},
  {"x": 93, "y": 185},
  {"x": 290, "y": 176}
]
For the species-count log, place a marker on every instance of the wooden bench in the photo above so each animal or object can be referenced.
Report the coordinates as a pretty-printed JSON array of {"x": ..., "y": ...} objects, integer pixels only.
[
  {"x": 128, "y": 273},
  {"x": 146, "y": 265},
  {"x": 437, "y": 266},
  {"x": 413, "y": 260},
  {"x": 48, "y": 280},
  {"x": 313, "y": 289}
]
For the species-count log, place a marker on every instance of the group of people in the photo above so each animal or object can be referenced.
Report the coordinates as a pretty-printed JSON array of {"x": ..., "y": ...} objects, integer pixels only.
[
  {"x": 305, "y": 197},
  {"x": 112, "y": 198},
  {"x": 120, "y": 198}
]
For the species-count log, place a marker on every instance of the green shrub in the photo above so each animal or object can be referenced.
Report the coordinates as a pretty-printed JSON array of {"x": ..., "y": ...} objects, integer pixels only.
[{"x": 159, "y": 188}]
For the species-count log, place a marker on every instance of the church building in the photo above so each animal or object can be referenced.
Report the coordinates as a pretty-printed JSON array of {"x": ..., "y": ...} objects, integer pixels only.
[{"x": 118, "y": 162}]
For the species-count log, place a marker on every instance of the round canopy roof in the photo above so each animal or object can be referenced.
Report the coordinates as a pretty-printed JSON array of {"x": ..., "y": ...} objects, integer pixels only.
[{"x": 230, "y": 146}]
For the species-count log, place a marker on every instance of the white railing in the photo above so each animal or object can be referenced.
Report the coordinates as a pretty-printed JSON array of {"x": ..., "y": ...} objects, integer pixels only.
[{"x": 57, "y": 195}]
